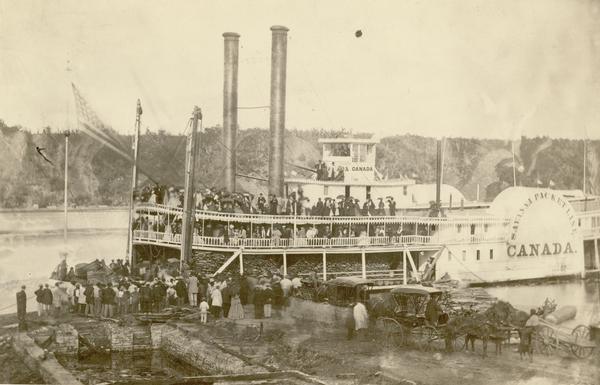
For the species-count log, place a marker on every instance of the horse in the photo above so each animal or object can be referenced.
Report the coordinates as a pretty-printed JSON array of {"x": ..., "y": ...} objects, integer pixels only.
[
  {"x": 525, "y": 345},
  {"x": 478, "y": 326}
]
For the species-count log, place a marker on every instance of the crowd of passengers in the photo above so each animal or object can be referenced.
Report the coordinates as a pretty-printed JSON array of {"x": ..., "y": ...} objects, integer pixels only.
[
  {"x": 325, "y": 171},
  {"x": 294, "y": 204},
  {"x": 232, "y": 233}
]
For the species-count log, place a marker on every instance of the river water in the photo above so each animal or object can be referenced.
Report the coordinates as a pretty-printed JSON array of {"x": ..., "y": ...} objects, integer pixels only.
[
  {"x": 30, "y": 256},
  {"x": 30, "y": 249}
]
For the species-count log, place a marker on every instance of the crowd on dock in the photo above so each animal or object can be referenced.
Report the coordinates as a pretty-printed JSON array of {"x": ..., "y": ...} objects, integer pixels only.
[{"x": 223, "y": 296}]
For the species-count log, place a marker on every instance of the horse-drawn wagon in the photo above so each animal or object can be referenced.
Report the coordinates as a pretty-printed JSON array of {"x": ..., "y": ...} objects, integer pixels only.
[
  {"x": 550, "y": 338},
  {"x": 411, "y": 315}
]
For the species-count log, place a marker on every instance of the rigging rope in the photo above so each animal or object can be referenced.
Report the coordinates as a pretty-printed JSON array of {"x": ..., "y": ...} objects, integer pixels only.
[{"x": 463, "y": 265}]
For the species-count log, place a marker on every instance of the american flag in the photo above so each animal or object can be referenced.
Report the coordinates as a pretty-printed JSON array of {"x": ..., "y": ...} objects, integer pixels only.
[{"x": 91, "y": 124}]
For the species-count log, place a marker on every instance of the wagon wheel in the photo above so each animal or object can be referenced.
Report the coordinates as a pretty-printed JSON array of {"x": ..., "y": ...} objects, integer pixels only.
[
  {"x": 545, "y": 340},
  {"x": 424, "y": 337},
  {"x": 582, "y": 339},
  {"x": 391, "y": 331}
]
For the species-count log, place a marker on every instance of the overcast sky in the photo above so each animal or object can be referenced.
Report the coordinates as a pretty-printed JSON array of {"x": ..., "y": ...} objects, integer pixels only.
[{"x": 437, "y": 68}]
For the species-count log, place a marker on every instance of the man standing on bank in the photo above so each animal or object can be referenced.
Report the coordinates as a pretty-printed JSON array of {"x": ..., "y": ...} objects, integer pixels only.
[
  {"x": 22, "y": 308},
  {"x": 39, "y": 297},
  {"x": 193, "y": 290}
]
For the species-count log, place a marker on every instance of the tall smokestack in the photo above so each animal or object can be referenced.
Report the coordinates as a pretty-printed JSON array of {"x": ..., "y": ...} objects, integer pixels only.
[
  {"x": 230, "y": 107},
  {"x": 277, "y": 119}
]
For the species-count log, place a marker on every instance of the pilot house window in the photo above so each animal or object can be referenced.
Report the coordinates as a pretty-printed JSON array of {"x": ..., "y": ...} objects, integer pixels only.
[{"x": 340, "y": 149}]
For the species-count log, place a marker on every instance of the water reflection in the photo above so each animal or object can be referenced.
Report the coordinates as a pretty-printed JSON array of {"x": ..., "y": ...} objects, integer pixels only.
[{"x": 101, "y": 368}]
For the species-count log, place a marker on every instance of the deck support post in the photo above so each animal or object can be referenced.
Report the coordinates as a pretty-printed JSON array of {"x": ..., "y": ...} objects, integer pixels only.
[
  {"x": 284, "y": 262},
  {"x": 324, "y": 266},
  {"x": 241, "y": 258},
  {"x": 412, "y": 264},
  {"x": 596, "y": 255},
  {"x": 364, "y": 263},
  {"x": 404, "y": 270}
]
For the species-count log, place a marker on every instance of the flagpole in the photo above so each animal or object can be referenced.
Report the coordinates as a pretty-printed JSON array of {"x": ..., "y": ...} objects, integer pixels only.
[
  {"x": 134, "y": 177},
  {"x": 584, "y": 164},
  {"x": 584, "y": 173},
  {"x": 65, "y": 230}
]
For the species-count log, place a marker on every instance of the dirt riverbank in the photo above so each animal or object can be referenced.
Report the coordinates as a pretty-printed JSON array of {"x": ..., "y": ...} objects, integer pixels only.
[{"x": 326, "y": 353}]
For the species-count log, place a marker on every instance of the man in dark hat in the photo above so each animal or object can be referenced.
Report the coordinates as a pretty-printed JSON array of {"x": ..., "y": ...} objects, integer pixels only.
[
  {"x": 318, "y": 207},
  {"x": 108, "y": 301},
  {"x": 145, "y": 298},
  {"x": 392, "y": 206},
  {"x": 260, "y": 203},
  {"x": 273, "y": 203},
  {"x": 22, "y": 308},
  {"x": 181, "y": 290},
  {"x": 47, "y": 298},
  {"x": 39, "y": 298}
]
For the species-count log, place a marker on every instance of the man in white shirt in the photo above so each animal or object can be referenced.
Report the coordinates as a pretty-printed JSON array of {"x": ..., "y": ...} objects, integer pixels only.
[
  {"x": 296, "y": 283},
  {"x": 217, "y": 303},
  {"x": 286, "y": 286},
  {"x": 533, "y": 321},
  {"x": 361, "y": 317},
  {"x": 71, "y": 294}
]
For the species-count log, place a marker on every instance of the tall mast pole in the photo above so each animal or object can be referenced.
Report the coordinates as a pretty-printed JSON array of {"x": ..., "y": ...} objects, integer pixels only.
[
  {"x": 584, "y": 164},
  {"x": 66, "y": 205},
  {"x": 584, "y": 173},
  {"x": 187, "y": 225},
  {"x": 134, "y": 177}
]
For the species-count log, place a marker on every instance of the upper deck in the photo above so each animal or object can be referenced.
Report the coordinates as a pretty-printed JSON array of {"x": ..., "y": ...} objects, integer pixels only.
[{"x": 263, "y": 233}]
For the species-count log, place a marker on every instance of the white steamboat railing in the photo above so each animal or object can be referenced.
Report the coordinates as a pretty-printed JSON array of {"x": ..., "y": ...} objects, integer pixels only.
[
  {"x": 261, "y": 243},
  {"x": 258, "y": 219},
  {"x": 146, "y": 236}
]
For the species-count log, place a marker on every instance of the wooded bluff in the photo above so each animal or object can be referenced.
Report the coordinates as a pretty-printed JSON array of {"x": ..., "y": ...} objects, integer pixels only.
[{"x": 97, "y": 176}]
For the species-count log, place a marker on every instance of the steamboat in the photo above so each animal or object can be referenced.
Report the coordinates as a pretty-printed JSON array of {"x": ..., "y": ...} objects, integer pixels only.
[{"x": 426, "y": 231}]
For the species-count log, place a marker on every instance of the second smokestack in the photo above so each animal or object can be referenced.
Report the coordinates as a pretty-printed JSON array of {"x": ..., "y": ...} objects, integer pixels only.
[
  {"x": 230, "y": 108},
  {"x": 277, "y": 117}
]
